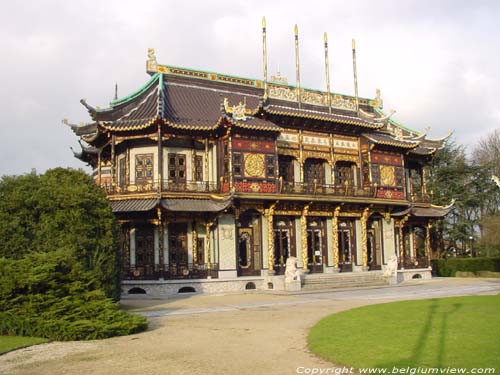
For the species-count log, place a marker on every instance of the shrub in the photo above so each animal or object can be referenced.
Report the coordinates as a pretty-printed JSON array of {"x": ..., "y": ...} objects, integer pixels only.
[
  {"x": 50, "y": 295},
  {"x": 59, "y": 262},
  {"x": 448, "y": 267}
]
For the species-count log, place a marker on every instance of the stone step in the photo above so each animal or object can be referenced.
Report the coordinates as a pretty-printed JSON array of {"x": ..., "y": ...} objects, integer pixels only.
[{"x": 353, "y": 280}]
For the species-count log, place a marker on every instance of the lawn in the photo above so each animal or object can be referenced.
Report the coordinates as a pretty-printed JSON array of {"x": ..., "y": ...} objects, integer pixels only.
[
  {"x": 445, "y": 332},
  {"x": 9, "y": 343}
]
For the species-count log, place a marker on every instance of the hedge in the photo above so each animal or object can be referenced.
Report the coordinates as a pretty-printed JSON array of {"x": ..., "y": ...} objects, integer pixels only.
[{"x": 448, "y": 267}]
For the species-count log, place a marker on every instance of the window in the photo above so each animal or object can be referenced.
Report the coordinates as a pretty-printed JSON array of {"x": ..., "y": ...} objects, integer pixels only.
[
  {"x": 198, "y": 168},
  {"x": 270, "y": 167},
  {"x": 144, "y": 167},
  {"x": 177, "y": 167},
  {"x": 286, "y": 168},
  {"x": 314, "y": 171},
  {"x": 122, "y": 170},
  {"x": 237, "y": 164},
  {"x": 344, "y": 174}
]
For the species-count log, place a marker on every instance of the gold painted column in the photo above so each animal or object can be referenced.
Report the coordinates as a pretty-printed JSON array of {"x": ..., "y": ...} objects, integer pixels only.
[
  {"x": 364, "y": 237},
  {"x": 335, "y": 237},
  {"x": 160, "y": 240},
  {"x": 269, "y": 215},
  {"x": 401, "y": 239},
  {"x": 303, "y": 237},
  {"x": 428, "y": 242},
  {"x": 207, "y": 242},
  {"x": 195, "y": 243}
]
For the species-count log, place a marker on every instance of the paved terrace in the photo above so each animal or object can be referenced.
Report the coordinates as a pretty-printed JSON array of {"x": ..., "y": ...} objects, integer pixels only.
[{"x": 253, "y": 333}]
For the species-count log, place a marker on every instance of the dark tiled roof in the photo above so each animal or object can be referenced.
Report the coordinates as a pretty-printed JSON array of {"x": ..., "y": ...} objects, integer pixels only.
[
  {"x": 255, "y": 123},
  {"x": 388, "y": 140},
  {"x": 195, "y": 205},
  {"x": 423, "y": 150},
  {"x": 133, "y": 205},
  {"x": 323, "y": 115},
  {"x": 199, "y": 108},
  {"x": 432, "y": 211}
]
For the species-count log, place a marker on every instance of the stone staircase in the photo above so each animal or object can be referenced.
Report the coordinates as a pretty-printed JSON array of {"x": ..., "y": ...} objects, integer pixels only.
[{"x": 343, "y": 280}]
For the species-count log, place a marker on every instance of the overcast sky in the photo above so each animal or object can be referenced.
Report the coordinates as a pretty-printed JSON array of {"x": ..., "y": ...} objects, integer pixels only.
[{"x": 436, "y": 62}]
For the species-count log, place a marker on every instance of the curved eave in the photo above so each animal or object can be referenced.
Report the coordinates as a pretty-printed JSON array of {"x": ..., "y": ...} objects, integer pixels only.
[
  {"x": 194, "y": 127},
  {"x": 141, "y": 124},
  {"x": 321, "y": 117},
  {"x": 262, "y": 127},
  {"x": 391, "y": 144}
]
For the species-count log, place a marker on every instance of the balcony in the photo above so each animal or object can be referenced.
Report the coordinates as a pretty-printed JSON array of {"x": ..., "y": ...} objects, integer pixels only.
[
  {"x": 166, "y": 185},
  {"x": 327, "y": 189},
  {"x": 270, "y": 187},
  {"x": 173, "y": 271}
]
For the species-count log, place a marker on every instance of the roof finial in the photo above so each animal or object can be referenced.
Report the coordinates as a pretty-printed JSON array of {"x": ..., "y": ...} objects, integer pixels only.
[
  {"x": 355, "y": 74},
  {"x": 116, "y": 91},
  {"x": 297, "y": 62},
  {"x": 327, "y": 73},
  {"x": 264, "y": 55},
  {"x": 151, "y": 63}
]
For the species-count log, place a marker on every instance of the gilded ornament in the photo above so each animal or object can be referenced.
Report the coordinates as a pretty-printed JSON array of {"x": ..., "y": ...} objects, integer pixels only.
[
  {"x": 364, "y": 236},
  {"x": 335, "y": 236},
  {"x": 254, "y": 165},
  {"x": 387, "y": 175}
]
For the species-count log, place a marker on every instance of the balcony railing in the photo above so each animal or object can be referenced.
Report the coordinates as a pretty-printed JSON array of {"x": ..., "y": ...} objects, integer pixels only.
[
  {"x": 327, "y": 189},
  {"x": 173, "y": 271},
  {"x": 414, "y": 262},
  {"x": 166, "y": 185},
  {"x": 283, "y": 187}
]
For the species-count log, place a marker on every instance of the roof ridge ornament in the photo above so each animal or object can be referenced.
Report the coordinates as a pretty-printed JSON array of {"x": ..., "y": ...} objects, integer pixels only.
[
  {"x": 151, "y": 63},
  {"x": 379, "y": 103}
]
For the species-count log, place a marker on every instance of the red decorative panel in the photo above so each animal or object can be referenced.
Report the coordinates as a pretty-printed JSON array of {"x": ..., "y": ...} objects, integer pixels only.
[
  {"x": 390, "y": 194},
  {"x": 255, "y": 187},
  {"x": 386, "y": 158},
  {"x": 253, "y": 145},
  {"x": 225, "y": 187}
]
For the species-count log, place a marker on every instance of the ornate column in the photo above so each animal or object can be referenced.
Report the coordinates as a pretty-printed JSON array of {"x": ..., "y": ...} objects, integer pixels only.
[
  {"x": 160, "y": 160},
  {"x": 230, "y": 151},
  {"x": 401, "y": 238},
  {"x": 335, "y": 237},
  {"x": 303, "y": 236},
  {"x": 195, "y": 243},
  {"x": 364, "y": 237},
  {"x": 160, "y": 238},
  {"x": 207, "y": 172},
  {"x": 208, "y": 238},
  {"x": 424, "y": 181},
  {"x": 99, "y": 167},
  {"x": 428, "y": 242},
  {"x": 301, "y": 157},
  {"x": 269, "y": 215},
  {"x": 113, "y": 161}
]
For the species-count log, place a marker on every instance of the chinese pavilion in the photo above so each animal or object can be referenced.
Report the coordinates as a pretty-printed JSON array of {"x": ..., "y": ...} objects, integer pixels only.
[{"x": 216, "y": 180}]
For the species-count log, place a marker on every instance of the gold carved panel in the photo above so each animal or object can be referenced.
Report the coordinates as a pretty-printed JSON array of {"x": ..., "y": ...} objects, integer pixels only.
[
  {"x": 387, "y": 175},
  {"x": 255, "y": 165}
]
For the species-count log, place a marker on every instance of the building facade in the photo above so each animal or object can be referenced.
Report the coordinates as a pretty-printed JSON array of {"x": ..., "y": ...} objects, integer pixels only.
[{"x": 217, "y": 180}]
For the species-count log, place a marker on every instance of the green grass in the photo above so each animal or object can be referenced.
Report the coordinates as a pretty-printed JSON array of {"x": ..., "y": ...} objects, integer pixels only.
[
  {"x": 9, "y": 343},
  {"x": 454, "y": 332}
]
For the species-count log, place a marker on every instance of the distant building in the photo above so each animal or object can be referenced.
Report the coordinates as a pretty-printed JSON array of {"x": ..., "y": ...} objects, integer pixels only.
[{"x": 216, "y": 180}]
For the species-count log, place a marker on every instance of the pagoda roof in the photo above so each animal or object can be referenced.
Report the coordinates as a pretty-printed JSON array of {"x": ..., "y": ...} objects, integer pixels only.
[
  {"x": 194, "y": 100},
  {"x": 432, "y": 211}
]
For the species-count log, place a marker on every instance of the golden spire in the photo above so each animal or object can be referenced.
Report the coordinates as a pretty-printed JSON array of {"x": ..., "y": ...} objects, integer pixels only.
[
  {"x": 355, "y": 74},
  {"x": 297, "y": 62},
  {"x": 264, "y": 55},
  {"x": 327, "y": 72}
]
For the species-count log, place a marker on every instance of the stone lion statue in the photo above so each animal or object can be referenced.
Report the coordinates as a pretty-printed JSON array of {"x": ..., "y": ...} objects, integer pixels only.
[
  {"x": 291, "y": 271},
  {"x": 392, "y": 266}
]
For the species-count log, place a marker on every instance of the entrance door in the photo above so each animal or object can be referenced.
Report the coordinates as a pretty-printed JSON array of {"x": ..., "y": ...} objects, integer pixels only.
[
  {"x": 248, "y": 251},
  {"x": 284, "y": 243},
  {"x": 346, "y": 245},
  {"x": 316, "y": 246},
  {"x": 374, "y": 245},
  {"x": 178, "y": 249},
  {"x": 144, "y": 250}
]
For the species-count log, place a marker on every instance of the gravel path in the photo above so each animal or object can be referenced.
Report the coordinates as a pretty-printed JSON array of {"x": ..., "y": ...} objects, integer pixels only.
[{"x": 230, "y": 334}]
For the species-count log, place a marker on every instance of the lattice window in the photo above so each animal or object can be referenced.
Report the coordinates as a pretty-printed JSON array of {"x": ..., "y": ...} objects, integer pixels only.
[
  {"x": 122, "y": 170},
  {"x": 177, "y": 167},
  {"x": 270, "y": 166},
  {"x": 314, "y": 171},
  {"x": 198, "y": 168},
  {"x": 144, "y": 170},
  {"x": 286, "y": 168},
  {"x": 344, "y": 174},
  {"x": 237, "y": 159}
]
